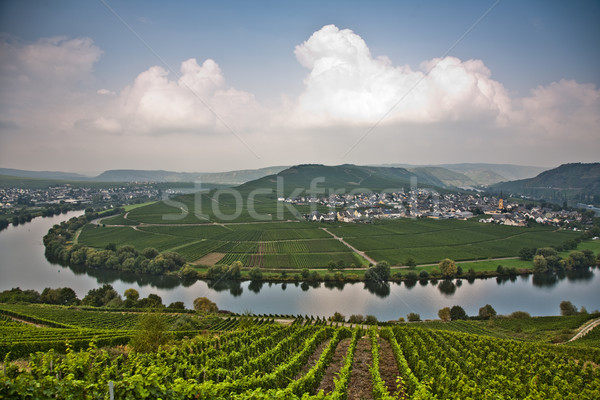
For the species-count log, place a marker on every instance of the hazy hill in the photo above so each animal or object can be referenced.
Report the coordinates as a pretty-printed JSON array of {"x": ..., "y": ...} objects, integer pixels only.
[
  {"x": 446, "y": 176},
  {"x": 42, "y": 174},
  {"x": 572, "y": 182},
  {"x": 472, "y": 174},
  {"x": 230, "y": 177},
  {"x": 347, "y": 176}
]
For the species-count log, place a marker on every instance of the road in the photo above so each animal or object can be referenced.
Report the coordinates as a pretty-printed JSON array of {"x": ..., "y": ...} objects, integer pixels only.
[
  {"x": 585, "y": 329},
  {"x": 354, "y": 249}
]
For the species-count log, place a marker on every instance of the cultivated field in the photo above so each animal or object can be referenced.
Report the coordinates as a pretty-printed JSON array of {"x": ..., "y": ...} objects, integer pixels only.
[{"x": 299, "y": 244}]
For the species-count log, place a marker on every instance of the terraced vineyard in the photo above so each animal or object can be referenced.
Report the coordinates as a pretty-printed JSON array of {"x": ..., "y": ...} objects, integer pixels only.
[{"x": 271, "y": 361}]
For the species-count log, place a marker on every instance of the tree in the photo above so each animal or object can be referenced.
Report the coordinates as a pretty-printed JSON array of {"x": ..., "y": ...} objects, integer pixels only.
[
  {"x": 255, "y": 274},
  {"x": 152, "y": 301},
  {"x": 337, "y": 317},
  {"x": 457, "y": 312},
  {"x": 526, "y": 253},
  {"x": 150, "y": 253},
  {"x": 540, "y": 265},
  {"x": 101, "y": 297},
  {"x": 331, "y": 266},
  {"x": 176, "y": 305},
  {"x": 567, "y": 308},
  {"x": 448, "y": 267},
  {"x": 131, "y": 295},
  {"x": 203, "y": 304},
  {"x": 356, "y": 319},
  {"x": 371, "y": 320},
  {"x": 151, "y": 333},
  {"x": 444, "y": 314},
  {"x": 413, "y": 317},
  {"x": 378, "y": 273},
  {"x": 487, "y": 312},
  {"x": 410, "y": 262}
]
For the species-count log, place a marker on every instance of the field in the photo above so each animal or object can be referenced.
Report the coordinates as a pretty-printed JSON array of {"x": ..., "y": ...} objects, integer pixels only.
[
  {"x": 295, "y": 244},
  {"x": 304, "y": 358}
]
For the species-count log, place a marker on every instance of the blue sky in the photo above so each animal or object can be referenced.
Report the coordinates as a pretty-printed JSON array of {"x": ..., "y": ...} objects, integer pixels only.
[{"x": 534, "y": 59}]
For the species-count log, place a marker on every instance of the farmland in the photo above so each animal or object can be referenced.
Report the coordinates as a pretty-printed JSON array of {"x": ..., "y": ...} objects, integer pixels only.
[
  {"x": 298, "y": 244},
  {"x": 297, "y": 359}
]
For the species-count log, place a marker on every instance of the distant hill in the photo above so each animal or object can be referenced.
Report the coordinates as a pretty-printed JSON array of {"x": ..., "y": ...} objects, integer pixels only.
[
  {"x": 231, "y": 177},
  {"x": 446, "y": 176},
  {"x": 570, "y": 182},
  {"x": 42, "y": 174},
  {"x": 473, "y": 174},
  {"x": 348, "y": 177}
]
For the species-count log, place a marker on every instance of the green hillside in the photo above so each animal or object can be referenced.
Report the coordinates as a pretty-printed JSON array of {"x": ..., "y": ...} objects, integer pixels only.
[
  {"x": 345, "y": 177},
  {"x": 573, "y": 183}
]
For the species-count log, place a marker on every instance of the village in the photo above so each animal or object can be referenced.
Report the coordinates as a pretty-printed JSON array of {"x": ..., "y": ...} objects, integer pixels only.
[
  {"x": 427, "y": 203},
  {"x": 67, "y": 194}
]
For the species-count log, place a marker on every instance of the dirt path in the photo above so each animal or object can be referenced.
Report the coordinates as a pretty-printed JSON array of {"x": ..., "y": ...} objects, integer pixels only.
[
  {"x": 336, "y": 364},
  {"x": 585, "y": 329},
  {"x": 361, "y": 384},
  {"x": 354, "y": 249},
  {"x": 313, "y": 359},
  {"x": 388, "y": 369}
]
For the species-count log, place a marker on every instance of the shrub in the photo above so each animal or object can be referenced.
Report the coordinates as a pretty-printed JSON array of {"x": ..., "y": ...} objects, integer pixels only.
[
  {"x": 150, "y": 334},
  {"x": 356, "y": 319},
  {"x": 520, "y": 315},
  {"x": 337, "y": 317},
  {"x": 413, "y": 317}
]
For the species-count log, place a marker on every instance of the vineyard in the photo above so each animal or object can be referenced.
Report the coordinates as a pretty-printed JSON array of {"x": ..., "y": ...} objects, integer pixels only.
[
  {"x": 298, "y": 244},
  {"x": 306, "y": 359}
]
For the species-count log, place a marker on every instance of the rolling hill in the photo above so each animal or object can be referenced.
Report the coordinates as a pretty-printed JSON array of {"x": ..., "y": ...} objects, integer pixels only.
[
  {"x": 348, "y": 177},
  {"x": 573, "y": 183}
]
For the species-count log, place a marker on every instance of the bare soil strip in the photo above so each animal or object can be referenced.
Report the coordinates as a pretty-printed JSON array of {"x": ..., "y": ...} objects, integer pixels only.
[
  {"x": 210, "y": 259},
  {"x": 336, "y": 364},
  {"x": 361, "y": 384},
  {"x": 312, "y": 360},
  {"x": 388, "y": 369}
]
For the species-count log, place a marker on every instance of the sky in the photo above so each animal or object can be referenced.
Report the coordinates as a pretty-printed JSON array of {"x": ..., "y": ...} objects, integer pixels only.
[{"x": 87, "y": 86}]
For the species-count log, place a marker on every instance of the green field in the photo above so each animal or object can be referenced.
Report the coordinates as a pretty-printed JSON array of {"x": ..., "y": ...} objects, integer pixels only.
[{"x": 293, "y": 243}]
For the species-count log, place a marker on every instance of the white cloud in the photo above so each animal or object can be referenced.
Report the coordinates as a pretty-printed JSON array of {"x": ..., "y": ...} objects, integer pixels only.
[
  {"x": 346, "y": 84},
  {"x": 449, "y": 110}
]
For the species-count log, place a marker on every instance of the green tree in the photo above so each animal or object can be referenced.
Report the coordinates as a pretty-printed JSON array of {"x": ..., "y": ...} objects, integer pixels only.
[
  {"x": 457, "y": 312},
  {"x": 444, "y": 314},
  {"x": 337, "y": 317},
  {"x": 150, "y": 333},
  {"x": 448, "y": 268},
  {"x": 413, "y": 317},
  {"x": 378, "y": 273},
  {"x": 540, "y": 265},
  {"x": 203, "y": 304},
  {"x": 255, "y": 274},
  {"x": 487, "y": 312},
  {"x": 526, "y": 253},
  {"x": 567, "y": 308},
  {"x": 410, "y": 262}
]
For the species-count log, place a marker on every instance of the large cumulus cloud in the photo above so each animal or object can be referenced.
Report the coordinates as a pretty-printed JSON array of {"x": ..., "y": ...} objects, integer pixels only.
[{"x": 347, "y": 84}]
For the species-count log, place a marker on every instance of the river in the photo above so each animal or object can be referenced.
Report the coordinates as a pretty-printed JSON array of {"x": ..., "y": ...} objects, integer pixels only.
[{"x": 23, "y": 264}]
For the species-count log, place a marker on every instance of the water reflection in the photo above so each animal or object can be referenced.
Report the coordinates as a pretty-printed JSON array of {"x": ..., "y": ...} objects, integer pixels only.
[
  {"x": 379, "y": 289},
  {"x": 447, "y": 287}
]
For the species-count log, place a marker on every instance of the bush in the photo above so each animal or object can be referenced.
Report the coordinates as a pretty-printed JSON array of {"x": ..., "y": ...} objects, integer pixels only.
[
  {"x": 255, "y": 274},
  {"x": 371, "y": 320},
  {"x": 520, "y": 315},
  {"x": 151, "y": 333},
  {"x": 203, "y": 304},
  {"x": 448, "y": 268},
  {"x": 423, "y": 274},
  {"x": 337, "y": 317},
  {"x": 526, "y": 254},
  {"x": 413, "y": 317},
  {"x": 356, "y": 319}
]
